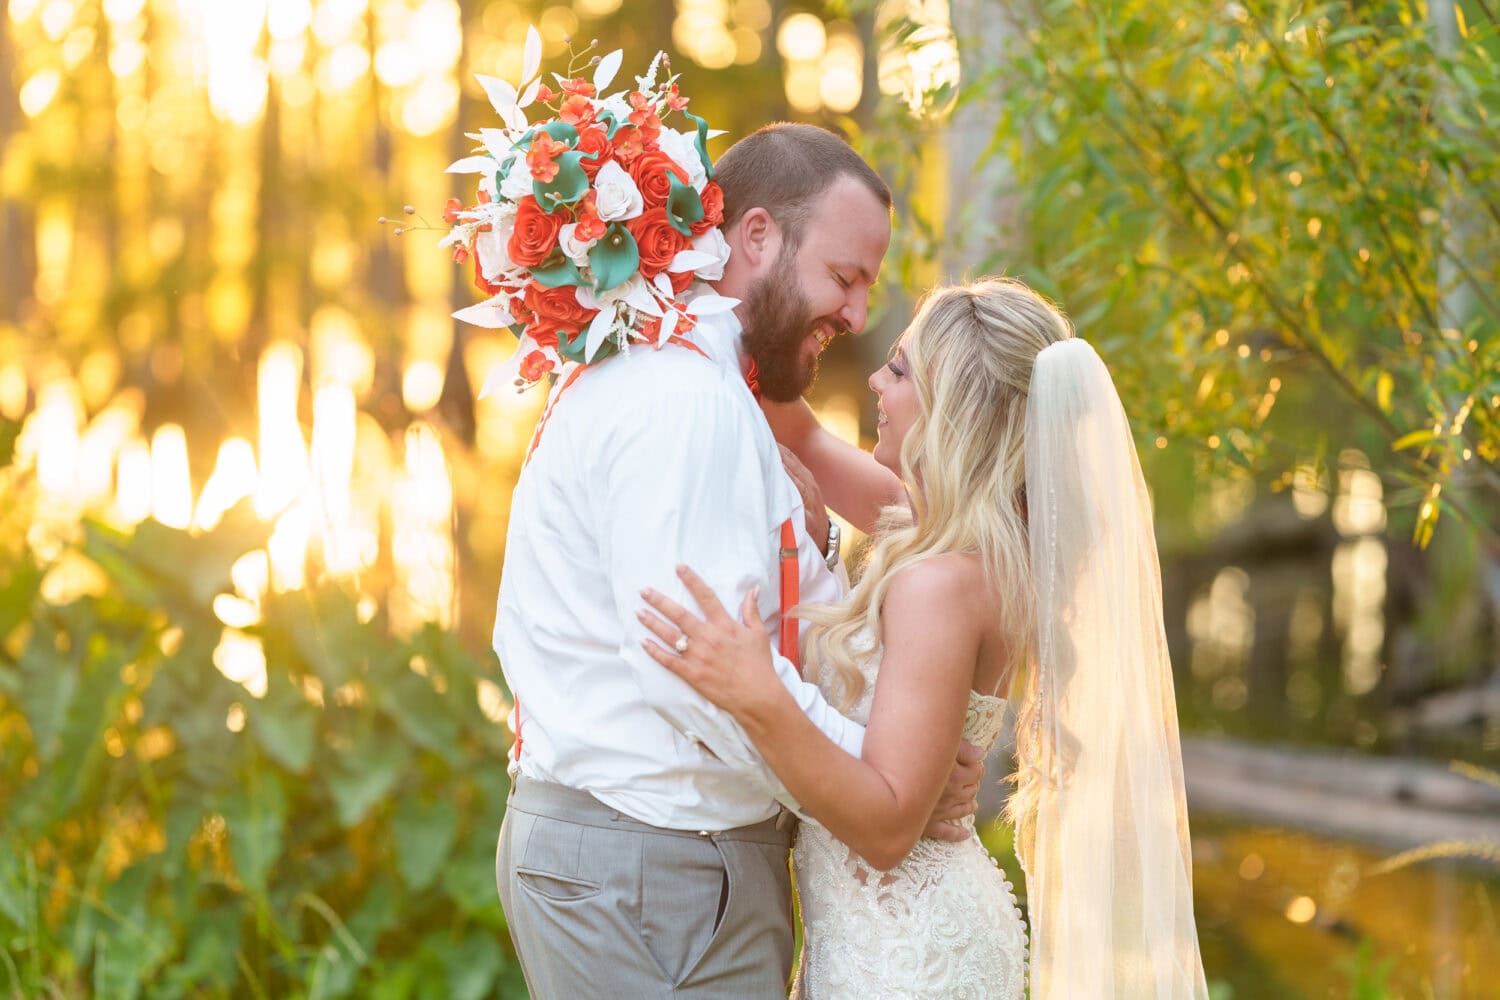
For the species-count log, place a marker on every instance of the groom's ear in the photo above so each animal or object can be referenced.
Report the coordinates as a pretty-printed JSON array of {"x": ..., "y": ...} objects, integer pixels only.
[{"x": 758, "y": 238}]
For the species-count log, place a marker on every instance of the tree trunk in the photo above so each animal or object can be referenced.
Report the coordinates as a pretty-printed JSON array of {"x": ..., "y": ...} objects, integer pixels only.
[
  {"x": 17, "y": 222},
  {"x": 982, "y": 216},
  {"x": 385, "y": 280},
  {"x": 457, "y": 401}
]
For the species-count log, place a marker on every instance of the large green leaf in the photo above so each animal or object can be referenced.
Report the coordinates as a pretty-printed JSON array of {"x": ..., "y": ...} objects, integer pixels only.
[
  {"x": 49, "y": 683},
  {"x": 425, "y": 832},
  {"x": 420, "y": 711},
  {"x": 365, "y": 774},
  {"x": 256, "y": 819},
  {"x": 284, "y": 723},
  {"x": 471, "y": 965}
]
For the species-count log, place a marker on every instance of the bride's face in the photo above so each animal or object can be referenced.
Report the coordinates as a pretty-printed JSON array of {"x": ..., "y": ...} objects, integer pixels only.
[{"x": 896, "y": 404}]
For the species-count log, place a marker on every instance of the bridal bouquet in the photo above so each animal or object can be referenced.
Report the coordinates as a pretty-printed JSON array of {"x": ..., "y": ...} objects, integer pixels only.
[{"x": 593, "y": 227}]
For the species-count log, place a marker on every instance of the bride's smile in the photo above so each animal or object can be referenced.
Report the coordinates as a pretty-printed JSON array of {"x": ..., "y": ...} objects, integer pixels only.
[{"x": 896, "y": 407}]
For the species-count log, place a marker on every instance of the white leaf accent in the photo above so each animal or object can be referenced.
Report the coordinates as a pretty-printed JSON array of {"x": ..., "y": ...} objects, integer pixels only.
[
  {"x": 505, "y": 374},
  {"x": 515, "y": 119},
  {"x": 492, "y": 314},
  {"x": 640, "y": 298},
  {"x": 530, "y": 94},
  {"x": 711, "y": 305},
  {"x": 598, "y": 332},
  {"x": 501, "y": 94},
  {"x": 533, "y": 58},
  {"x": 472, "y": 165},
  {"x": 690, "y": 260},
  {"x": 714, "y": 133},
  {"x": 663, "y": 285},
  {"x": 668, "y": 327},
  {"x": 608, "y": 67},
  {"x": 497, "y": 141}
]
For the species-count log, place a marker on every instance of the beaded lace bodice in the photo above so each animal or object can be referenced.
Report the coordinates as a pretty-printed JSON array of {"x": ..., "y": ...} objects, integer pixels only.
[{"x": 941, "y": 924}]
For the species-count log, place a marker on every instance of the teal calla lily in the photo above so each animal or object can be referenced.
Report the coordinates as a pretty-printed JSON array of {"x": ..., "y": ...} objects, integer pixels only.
[
  {"x": 701, "y": 143},
  {"x": 614, "y": 258},
  {"x": 561, "y": 132},
  {"x": 556, "y": 270},
  {"x": 612, "y": 122},
  {"x": 572, "y": 348},
  {"x": 684, "y": 207},
  {"x": 570, "y": 184}
]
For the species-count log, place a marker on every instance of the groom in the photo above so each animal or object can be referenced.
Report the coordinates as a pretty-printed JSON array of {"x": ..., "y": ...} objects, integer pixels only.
[{"x": 644, "y": 848}]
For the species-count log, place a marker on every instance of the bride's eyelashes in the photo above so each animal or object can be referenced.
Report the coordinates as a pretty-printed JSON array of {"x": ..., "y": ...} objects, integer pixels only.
[{"x": 895, "y": 368}]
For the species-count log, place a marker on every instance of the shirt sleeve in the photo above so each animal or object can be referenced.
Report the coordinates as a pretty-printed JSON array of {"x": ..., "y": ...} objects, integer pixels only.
[{"x": 686, "y": 485}]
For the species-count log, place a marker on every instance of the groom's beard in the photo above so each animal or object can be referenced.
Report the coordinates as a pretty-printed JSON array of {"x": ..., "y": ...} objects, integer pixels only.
[{"x": 778, "y": 322}]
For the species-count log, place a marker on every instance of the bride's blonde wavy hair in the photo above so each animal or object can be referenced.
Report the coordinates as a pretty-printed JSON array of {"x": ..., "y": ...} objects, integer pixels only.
[{"x": 970, "y": 350}]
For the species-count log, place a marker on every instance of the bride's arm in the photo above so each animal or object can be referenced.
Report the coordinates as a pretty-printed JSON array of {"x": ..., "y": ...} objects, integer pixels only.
[
  {"x": 879, "y": 803},
  {"x": 853, "y": 483}
]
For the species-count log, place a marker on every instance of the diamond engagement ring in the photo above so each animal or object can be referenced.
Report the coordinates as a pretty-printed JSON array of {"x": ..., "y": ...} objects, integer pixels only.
[{"x": 681, "y": 644}]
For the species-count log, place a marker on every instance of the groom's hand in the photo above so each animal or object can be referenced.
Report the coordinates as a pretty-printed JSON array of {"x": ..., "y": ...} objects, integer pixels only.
[
  {"x": 812, "y": 498},
  {"x": 960, "y": 798}
]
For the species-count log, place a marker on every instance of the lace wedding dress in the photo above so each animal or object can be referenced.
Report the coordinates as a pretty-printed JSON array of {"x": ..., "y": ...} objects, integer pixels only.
[{"x": 942, "y": 924}]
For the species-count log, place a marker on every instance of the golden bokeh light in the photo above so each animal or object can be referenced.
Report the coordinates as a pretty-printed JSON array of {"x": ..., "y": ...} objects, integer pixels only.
[
  {"x": 171, "y": 484},
  {"x": 283, "y": 450},
  {"x": 801, "y": 37},
  {"x": 133, "y": 483},
  {"x": 233, "y": 479}
]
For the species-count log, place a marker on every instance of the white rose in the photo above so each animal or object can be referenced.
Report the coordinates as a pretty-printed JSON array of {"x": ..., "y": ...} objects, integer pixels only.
[
  {"x": 712, "y": 242},
  {"x": 493, "y": 246},
  {"x": 635, "y": 286},
  {"x": 683, "y": 150},
  {"x": 518, "y": 182},
  {"x": 616, "y": 195},
  {"x": 573, "y": 248}
]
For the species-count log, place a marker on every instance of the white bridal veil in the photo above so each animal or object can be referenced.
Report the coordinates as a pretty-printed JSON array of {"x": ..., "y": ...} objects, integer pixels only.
[{"x": 1109, "y": 873}]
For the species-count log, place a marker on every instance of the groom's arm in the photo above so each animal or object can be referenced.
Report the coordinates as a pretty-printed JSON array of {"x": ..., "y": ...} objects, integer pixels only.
[{"x": 684, "y": 485}]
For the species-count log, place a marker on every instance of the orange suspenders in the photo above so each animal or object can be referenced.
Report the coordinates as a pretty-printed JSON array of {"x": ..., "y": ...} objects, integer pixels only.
[{"x": 791, "y": 576}]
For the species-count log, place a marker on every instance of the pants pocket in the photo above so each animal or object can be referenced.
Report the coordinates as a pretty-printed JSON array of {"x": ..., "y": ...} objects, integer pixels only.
[
  {"x": 684, "y": 895},
  {"x": 553, "y": 865},
  {"x": 558, "y": 888}
]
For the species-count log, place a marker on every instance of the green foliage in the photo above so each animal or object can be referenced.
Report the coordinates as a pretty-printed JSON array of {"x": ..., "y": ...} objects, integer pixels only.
[
  {"x": 1368, "y": 975},
  {"x": 1243, "y": 202},
  {"x": 167, "y": 834}
]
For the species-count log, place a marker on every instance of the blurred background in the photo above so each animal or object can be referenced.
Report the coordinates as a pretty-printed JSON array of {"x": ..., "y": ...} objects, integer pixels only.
[{"x": 252, "y": 736}]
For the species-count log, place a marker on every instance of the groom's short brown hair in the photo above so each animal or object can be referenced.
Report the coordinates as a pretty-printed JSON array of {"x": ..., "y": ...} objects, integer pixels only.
[{"x": 783, "y": 167}]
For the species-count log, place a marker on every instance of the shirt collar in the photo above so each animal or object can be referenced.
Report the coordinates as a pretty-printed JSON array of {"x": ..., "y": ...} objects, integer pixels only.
[{"x": 720, "y": 335}]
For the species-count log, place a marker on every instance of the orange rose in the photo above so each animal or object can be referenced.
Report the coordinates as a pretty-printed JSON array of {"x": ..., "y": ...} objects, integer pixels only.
[
  {"x": 713, "y": 208},
  {"x": 593, "y": 140},
  {"x": 535, "y": 234},
  {"x": 652, "y": 172},
  {"x": 554, "y": 311},
  {"x": 657, "y": 240}
]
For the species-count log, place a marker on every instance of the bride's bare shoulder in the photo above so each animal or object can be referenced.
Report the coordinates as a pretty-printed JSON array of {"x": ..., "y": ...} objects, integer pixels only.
[{"x": 952, "y": 584}]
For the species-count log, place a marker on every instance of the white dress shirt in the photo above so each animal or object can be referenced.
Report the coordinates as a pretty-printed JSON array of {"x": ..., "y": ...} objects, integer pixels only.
[{"x": 650, "y": 460}]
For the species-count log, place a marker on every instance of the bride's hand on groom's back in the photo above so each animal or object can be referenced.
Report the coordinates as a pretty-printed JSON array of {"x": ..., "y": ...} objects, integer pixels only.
[{"x": 960, "y": 796}]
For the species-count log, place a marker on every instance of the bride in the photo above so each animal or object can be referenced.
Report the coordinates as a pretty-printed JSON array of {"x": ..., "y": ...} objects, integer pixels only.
[{"x": 1018, "y": 558}]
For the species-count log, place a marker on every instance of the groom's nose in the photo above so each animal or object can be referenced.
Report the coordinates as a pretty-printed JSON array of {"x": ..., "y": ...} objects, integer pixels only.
[{"x": 855, "y": 310}]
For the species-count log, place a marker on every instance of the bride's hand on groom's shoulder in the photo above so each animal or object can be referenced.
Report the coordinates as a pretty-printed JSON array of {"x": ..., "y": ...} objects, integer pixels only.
[
  {"x": 726, "y": 661},
  {"x": 812, "y": 498}
]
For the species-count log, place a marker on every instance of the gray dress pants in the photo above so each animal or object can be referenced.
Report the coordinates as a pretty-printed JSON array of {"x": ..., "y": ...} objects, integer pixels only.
[{"x": 602, "y": 905}]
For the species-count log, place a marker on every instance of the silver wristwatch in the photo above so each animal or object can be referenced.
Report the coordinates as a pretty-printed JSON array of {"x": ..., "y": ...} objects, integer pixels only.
[{"x": 832, "y": 558}]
